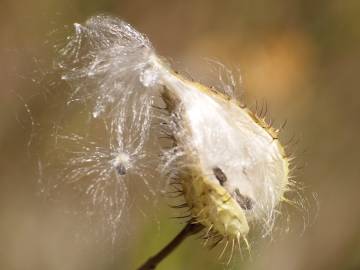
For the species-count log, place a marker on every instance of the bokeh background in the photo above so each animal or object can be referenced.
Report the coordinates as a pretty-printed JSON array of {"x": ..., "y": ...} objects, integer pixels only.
[{"x": 301, "y": 56}]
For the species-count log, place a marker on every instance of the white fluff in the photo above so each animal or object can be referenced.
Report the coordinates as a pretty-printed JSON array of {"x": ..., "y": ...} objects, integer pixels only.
[
  {"x": 112, "y": 66},
  {"x": 224, "y": 135}
]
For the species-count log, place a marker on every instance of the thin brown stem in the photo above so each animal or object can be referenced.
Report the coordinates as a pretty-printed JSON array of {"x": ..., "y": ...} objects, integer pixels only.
[{"x": 188, "y": 230}]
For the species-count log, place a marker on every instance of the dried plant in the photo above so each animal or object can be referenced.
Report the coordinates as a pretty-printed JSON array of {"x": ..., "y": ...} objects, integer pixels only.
[{"x": 224, "y": 160}]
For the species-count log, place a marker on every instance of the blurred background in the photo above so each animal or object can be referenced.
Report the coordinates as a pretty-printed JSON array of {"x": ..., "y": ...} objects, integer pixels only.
[{"x": 301, "y": 56}]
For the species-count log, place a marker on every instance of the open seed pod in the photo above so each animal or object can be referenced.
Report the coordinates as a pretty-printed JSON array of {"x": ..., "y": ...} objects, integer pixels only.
[
  {"x": 228, "y": 161},
  {"x": 233, "y": 170}
]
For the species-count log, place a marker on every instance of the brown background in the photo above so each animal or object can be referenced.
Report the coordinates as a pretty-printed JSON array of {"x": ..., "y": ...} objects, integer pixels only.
[{"x": 302, "y": 57}]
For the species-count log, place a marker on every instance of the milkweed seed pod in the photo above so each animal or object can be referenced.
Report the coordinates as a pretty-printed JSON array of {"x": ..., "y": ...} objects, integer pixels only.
[
  {"x": 234, "y": 171},
  {"x": 231, "y": 168}
]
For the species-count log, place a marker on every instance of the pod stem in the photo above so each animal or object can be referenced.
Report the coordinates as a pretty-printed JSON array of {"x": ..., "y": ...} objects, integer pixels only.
[{"x": 188, "y": 230}]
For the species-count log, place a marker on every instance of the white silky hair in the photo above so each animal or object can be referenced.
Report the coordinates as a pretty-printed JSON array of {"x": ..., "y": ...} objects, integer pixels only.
[{"x": 112, "y": 66}]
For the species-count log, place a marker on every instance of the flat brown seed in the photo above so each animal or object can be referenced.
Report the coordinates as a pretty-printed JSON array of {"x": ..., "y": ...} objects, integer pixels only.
[
  {"x": 220, "y": 175},
  {"x": 120, "y": 169},
  {"x": 245, "y": 202}
]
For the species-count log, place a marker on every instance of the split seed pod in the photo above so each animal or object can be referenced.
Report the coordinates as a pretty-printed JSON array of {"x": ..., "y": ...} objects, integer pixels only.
[{"x": 232, "y": 170}]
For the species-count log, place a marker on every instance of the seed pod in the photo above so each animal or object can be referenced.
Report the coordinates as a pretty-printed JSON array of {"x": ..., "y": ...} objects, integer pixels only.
[
  {"x": 234, "y": 170},
  {"x": 228, "y": 161}
]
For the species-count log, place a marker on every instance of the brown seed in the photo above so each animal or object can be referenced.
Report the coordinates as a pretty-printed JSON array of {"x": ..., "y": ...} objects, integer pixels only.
[
  {"x": 120, "y": 169},
  {"x": 245, "y": 202},
  {"x": 220, "y": 175}
]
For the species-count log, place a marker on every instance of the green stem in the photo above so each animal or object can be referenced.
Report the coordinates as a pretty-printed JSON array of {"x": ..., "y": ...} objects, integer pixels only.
[{"x": 188, "y": 230}]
